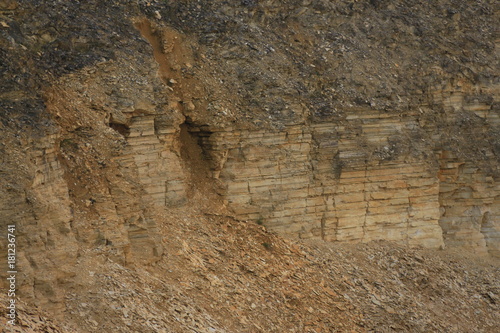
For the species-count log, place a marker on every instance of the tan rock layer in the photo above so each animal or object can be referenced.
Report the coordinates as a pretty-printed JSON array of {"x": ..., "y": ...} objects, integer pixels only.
[{"x": 306, "y": 182}]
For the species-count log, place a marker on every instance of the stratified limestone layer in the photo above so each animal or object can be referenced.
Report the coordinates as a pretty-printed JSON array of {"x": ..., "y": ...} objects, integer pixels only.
[
  {"x": 469, "y": 193},
  {"x": 470, "y": 204},
  {"x": 159, "y": 168},
  {"x": 314, "y": 182},
  {"x": 358, "y": 179}
]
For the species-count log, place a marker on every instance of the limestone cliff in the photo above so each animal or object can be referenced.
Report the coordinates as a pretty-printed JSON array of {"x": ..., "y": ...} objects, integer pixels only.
[{"x": 347, "y": 121}]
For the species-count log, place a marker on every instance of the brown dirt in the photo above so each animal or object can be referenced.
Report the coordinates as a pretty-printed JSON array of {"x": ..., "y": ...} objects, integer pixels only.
[{"x": 221, "y": 275}]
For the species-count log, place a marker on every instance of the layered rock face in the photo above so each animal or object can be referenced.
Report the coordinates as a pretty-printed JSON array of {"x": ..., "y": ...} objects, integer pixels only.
[
  {"x": 311, "y": 181},
  {"x": 360, "y": 180},
  {"x": 316, "y": 181},
  {"x": 339, "y": 121},
  {"x": 469, "y": 190},
  {"x": 365, "y": 180}
]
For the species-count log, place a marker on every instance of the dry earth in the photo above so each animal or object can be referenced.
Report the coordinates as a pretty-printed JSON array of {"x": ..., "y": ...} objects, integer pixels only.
[
  {"x": 221, "y": 275},
  {"x": 125, "y": 217}
]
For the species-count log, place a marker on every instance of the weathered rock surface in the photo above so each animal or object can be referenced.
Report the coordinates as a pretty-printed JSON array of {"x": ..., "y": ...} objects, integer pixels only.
[{"x": 342, "y": 121}]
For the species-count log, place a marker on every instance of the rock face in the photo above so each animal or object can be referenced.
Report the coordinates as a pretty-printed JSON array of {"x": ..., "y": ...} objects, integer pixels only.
[
  {"x": 341, "y": 121},
  {"x": 323, "y": 181},
  {"x": 311, "y": 181}
]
